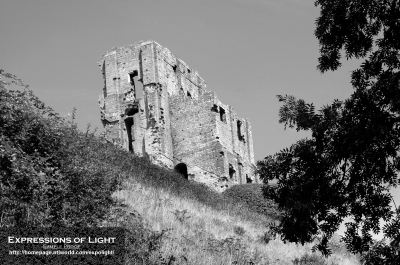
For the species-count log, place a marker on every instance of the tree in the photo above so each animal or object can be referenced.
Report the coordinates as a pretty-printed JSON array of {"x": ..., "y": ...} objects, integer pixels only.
[{"x": 352, "y": 159}]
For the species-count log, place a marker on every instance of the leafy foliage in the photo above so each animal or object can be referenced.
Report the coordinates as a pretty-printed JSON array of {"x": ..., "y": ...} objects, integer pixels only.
[
  {"x": 354, "y": 26},
  {"x": 50, "y": 172},
  {"x": 352, "y": 159}
]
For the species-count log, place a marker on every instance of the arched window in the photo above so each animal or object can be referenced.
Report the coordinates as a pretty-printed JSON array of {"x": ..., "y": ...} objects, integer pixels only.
[{"x": 181, "y": 168}]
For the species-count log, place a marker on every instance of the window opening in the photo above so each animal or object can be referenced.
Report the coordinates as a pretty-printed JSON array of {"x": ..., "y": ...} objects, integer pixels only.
[
  {"x": 239, "y": 130},
  {"x": 222, "y": 114},
  {"x": 131, "y": 109},
  {"x": 214, "y": 108},
  {"x": 248, "y": 180},
  {"x": 136, "y": 84},
  {"x": 232, "y": 172}
]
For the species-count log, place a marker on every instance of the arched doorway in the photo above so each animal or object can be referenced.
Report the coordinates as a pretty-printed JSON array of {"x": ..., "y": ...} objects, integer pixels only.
[{"x": 181, "y": 168}]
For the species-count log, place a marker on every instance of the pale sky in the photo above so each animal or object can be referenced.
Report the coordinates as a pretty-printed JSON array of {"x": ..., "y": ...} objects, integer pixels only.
[{"x": 247, "y": 51}]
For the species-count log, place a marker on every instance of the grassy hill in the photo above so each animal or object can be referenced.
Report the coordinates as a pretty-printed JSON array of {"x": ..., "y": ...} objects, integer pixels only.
[
  {"x": 222, "y": 231},
  {"x": 52, "y": 174}
]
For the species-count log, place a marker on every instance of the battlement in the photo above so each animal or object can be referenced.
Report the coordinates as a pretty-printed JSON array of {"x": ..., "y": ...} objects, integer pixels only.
[{"x": 155, "y": 105}]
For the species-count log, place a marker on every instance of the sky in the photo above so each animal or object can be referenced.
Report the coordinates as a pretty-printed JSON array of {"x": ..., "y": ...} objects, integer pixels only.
[{"x": 247, "y": 51}]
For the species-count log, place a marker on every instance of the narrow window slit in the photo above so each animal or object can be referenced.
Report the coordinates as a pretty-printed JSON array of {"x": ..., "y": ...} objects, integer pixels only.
[{"x": 222, "y": 114}]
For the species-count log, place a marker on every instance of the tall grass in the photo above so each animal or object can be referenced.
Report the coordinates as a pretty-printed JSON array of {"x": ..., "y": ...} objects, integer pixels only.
[
  {"x": 197, "y": 233},
  {"x": 52, "y": 174}
]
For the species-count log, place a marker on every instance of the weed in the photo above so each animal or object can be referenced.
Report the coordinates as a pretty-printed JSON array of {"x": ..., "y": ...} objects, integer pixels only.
[
  {"x": 181, "y": 216},
  {"x": 239, "y": 230}
]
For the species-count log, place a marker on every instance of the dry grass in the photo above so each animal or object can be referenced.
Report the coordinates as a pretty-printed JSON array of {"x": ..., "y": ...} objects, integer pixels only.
[{"x": 198, "y": 234}]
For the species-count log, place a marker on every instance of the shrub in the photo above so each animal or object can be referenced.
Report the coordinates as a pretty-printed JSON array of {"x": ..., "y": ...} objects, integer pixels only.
[{"x": 51, "y": 173}]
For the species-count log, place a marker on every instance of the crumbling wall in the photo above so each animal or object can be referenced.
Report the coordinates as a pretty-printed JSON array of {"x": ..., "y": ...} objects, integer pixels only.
[
  {"x": 205, "y": 137},
  {"x": 150, "y": 132},
  {"x": 194, "y": 137},
  {"x": 177, "y": 121},
  {"x": 236, "y": 146}
]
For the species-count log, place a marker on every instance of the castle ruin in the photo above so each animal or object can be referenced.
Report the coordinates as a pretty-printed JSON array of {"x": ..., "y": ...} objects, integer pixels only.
[{"x": 155, "y": 105}]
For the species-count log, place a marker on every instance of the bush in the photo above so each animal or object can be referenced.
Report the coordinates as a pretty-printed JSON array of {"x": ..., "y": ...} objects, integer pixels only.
[{"x": 51, "y": 173}]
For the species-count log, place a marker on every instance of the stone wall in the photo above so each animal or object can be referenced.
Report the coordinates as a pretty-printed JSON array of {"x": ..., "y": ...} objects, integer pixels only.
[{"x": 176, "y": 120}]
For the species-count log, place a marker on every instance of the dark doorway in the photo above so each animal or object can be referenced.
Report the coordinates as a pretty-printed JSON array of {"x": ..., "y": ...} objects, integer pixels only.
[
  {"x": 181, "y": 168},
  {"x": 128, "y": 125}
]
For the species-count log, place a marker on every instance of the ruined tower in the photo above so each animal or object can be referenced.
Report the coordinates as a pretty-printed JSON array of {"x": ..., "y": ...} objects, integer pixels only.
[{"x": 155, "y": 105}]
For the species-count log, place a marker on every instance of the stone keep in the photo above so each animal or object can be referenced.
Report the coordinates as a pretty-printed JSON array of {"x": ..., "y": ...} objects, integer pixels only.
[{"x": 176, "y": 122}]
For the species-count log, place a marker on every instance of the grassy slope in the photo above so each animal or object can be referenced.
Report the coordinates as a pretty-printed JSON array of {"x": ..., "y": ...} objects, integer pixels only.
[
  {"x": 203, "y": 227},
  {"x": 200, "y": 234}
]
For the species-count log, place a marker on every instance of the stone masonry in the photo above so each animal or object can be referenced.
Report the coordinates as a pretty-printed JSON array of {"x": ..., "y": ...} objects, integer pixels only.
[{"x": 176, "y": 122}]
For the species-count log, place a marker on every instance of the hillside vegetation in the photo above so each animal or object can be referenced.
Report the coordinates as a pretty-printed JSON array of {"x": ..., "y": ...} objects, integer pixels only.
[{"x": 52, "y": 174}]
